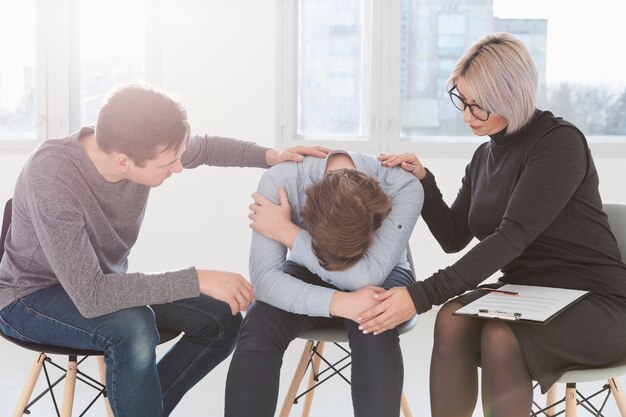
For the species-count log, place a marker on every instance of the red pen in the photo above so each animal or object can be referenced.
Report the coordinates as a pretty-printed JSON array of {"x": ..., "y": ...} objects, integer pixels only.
[{"x": 499, "y": 291}]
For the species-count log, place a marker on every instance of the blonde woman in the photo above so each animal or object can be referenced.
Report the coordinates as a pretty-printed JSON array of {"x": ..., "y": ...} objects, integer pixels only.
[{"x": 530, "y": 196}]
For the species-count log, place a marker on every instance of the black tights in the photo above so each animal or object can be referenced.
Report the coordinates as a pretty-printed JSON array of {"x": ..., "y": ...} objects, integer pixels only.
[{"x": 461, "y": 345}]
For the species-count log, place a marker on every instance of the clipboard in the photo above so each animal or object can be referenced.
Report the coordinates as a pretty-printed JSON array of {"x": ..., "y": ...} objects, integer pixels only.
[{"x": 521, "y": 303}]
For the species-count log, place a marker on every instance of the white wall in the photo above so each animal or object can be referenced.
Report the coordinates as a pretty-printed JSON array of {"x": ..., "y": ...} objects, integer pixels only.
[{"x": 218, "y": 57}]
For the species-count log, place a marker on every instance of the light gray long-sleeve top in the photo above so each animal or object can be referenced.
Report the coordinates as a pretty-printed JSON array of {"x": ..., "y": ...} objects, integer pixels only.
[
  {"x": 72, "y": 227},
  {"x": 388, "y": 249}
]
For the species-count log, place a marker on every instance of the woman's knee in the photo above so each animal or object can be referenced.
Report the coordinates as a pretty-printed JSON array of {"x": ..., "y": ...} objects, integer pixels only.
[
  {"x": 448, "y": 328},
  {"x": 454, "y": 333},
  {"x": 498, "y": 344}
]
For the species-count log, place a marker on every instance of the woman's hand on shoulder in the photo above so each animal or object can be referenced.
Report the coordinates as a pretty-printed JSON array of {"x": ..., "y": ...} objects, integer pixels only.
[{"x": 407, "y": 161}]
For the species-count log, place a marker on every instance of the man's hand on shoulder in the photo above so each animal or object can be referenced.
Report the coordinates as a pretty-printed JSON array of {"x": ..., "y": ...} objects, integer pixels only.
[
  {"x": 295, "y": 154},
  {"x": 229, "y": 287}
]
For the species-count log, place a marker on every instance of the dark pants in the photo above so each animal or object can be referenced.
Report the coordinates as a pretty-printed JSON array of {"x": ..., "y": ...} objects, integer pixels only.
[
  {"x": 254, "y": 374},
  {"x": 137, "y": 386}
]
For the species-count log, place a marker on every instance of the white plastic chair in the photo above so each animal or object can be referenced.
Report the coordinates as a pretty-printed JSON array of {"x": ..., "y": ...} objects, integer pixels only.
[{"x": 573, "y": 398}]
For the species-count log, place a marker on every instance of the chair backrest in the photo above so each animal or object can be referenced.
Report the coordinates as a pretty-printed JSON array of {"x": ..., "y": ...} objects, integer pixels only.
[
  {"x": 6, "y": 221},
  {"x": 617, "y": 221}
]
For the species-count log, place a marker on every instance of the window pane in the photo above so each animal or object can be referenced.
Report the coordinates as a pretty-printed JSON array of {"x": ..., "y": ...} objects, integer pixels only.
[
  {"x": 566, "y": 47},
  {"x": 18, "y": 71},
  {"x": 333, "y": 67},
  {"x": 112, "y": 51}
]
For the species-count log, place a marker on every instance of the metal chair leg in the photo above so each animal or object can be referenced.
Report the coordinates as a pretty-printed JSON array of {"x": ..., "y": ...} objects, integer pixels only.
[
  {"x": 27, "y": 391},
  {"x": 297, "y": 379}
]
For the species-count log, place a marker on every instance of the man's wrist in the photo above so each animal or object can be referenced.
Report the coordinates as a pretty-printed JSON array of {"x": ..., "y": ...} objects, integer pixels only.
[
  {"x": 337, "y": 303},
  {"x": 289, "y": 234},
  {"x": 271, "y": 156}
]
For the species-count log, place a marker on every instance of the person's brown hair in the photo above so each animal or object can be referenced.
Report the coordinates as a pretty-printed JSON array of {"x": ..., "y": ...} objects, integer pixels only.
[
  {"x": 141, "y": 121},
  {"x": 341, "y": 213}
]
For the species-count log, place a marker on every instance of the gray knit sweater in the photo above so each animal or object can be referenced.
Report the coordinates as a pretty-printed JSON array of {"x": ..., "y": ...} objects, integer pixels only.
[
  {"x": 388, "y": 248},
  {"x": 72, "y": 227}
]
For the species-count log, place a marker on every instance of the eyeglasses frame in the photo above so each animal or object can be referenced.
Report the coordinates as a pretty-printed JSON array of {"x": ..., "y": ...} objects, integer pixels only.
[{"x": 466, "y": 104}]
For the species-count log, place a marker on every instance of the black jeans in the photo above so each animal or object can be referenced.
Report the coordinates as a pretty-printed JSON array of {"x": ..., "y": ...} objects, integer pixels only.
[{"x": 254, "y": 374}]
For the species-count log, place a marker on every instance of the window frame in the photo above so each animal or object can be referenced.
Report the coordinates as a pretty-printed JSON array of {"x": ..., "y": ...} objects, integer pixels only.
[
  {"x": 385, "y": 108},
  {"x": 56, "y": 36}
]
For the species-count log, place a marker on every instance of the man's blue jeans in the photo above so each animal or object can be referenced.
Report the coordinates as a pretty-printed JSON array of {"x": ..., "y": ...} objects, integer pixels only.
[{"x": 137, "y": 386}]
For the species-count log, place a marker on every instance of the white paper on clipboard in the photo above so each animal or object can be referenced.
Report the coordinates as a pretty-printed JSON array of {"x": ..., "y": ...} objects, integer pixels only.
[{"x": 533, "y": 303}]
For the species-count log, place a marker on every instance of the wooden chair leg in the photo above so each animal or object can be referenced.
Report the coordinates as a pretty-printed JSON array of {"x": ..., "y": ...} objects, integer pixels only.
[
  {"x": 308, "y": 398},
  {"x": 618, "y": 394},
  {"x": 570, "y": 400},
  {"x": 404, "y": 405},
  {"x": 70, "y": 386},
  {"x": 27, "y": 391},
  {"x": 103, "y": 380},
  {"x": 551, "y": 397},
  {"x": 297, "y": 379}
]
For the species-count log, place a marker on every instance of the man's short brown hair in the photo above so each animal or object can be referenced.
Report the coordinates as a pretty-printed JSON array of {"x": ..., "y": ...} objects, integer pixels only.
[
  {"x": 341, "y": 213},
  {"x": 140, "y": 121}
]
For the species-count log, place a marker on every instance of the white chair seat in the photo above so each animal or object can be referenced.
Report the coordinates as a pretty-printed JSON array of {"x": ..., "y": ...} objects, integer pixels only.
[
  {"x": 596, "y": 374},
  {"x": 338, "y": 334}
]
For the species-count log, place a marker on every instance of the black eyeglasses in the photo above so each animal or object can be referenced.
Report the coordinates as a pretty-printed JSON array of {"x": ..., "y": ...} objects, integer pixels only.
[{"x": 477, "y": 111}]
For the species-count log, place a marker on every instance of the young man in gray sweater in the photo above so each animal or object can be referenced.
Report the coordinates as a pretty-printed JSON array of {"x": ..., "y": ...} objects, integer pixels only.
[{"x": 77, "y": 209}]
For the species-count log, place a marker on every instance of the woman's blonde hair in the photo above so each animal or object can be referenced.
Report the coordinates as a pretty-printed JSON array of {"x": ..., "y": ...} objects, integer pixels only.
[{"x": 501, "y": 77}]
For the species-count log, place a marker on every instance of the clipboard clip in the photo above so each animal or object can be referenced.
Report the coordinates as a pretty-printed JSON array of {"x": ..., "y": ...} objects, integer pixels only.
[{"x": 498, "y": 314}]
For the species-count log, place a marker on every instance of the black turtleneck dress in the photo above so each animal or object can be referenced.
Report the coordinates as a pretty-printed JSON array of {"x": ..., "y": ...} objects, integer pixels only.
[{"x": 532, "y": 200}]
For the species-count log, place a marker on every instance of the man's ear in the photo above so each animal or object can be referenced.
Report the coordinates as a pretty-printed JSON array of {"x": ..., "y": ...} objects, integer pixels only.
[{"x": 122, "y": 163}]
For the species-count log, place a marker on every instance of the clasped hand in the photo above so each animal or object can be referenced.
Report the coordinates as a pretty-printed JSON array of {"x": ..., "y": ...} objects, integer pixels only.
[{"x": 394, "y": 308}]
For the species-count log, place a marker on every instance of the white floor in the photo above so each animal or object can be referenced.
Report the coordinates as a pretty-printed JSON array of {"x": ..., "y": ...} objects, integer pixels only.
[{"x": 207, "y": 398}]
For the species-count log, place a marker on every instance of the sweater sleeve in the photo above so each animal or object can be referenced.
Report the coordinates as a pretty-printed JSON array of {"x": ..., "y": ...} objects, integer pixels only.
[
  {"x": 271, "y": 284},
  {"x": 223, "y": 152},
  {"x": 449, "y": 225},
  {"x": 62, "y": 236},
  {"x": 553, "y": 171}
]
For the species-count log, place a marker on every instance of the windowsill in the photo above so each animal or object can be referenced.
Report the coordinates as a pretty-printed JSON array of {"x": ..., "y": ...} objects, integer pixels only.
[{"x": 449, "y": 146}]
